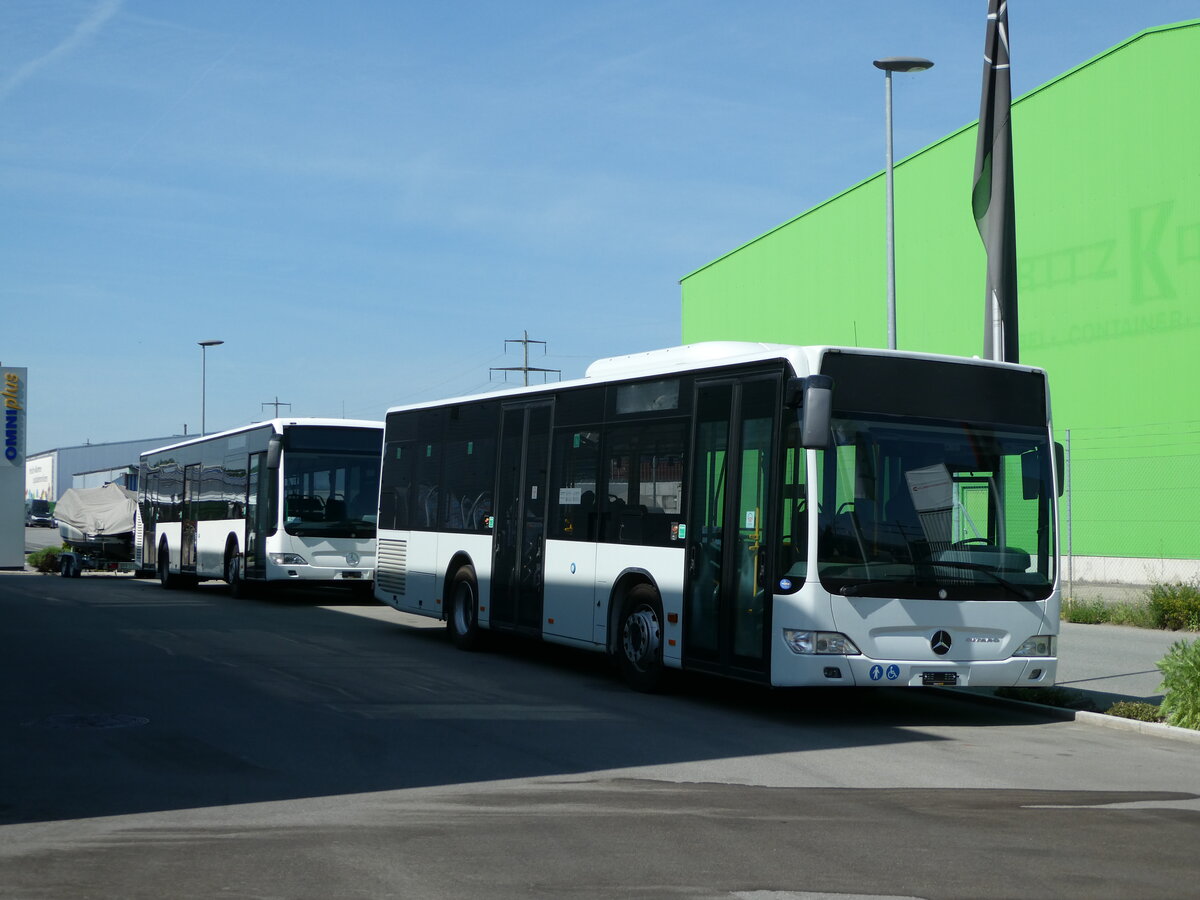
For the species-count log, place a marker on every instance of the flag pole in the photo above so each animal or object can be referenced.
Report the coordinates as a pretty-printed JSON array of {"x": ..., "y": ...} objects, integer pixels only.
[{"x": 992, "y": 196}]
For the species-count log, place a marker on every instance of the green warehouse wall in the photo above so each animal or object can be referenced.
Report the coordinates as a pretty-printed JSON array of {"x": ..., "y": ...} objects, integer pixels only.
[{"x": 1107, "y": 160}]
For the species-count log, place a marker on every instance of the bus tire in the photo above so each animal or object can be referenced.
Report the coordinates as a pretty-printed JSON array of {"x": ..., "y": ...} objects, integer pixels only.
[
  {"x": 238, "y": 588},
  {"x": 639, "y": 639},
  {"x": 463, "y": 619},
  {"x": 169, "y": 582}
]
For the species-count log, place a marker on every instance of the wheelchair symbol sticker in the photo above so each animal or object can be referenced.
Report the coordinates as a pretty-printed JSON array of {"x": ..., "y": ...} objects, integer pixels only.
[
  {"x": 876, "y": 673},
  {"x": 893, "y": 672}
]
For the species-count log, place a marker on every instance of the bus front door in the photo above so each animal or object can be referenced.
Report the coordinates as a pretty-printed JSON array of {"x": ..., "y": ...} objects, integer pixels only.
[
  {"x": 191, "y": 503},
  {"x": 258, "y": 512},
  {"x": 727, "y": 601},
  {"x": 520, "y": 534}
]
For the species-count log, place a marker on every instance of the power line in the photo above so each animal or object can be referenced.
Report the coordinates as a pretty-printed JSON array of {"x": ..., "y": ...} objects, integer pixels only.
[
  {"x": 277, "y": 403},
  {"x": 526, "y": 368}
]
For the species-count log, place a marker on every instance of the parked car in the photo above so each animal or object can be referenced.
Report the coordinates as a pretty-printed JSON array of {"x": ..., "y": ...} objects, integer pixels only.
[{"x": 37, "y": 515}]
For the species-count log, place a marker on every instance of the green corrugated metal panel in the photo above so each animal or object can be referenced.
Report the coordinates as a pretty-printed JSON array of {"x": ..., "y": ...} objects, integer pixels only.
[{"x": 1108, "y": 218}]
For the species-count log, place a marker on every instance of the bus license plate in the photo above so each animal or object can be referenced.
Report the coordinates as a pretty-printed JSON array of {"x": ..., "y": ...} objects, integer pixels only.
[{"x": 939, "y": 679}]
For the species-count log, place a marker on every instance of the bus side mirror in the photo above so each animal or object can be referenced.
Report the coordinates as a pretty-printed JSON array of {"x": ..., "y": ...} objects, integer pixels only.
[
  {"x": 1031, "y": 472},
  {"x": 814, "y": 395},
  {"x": 274, "y": 451}
]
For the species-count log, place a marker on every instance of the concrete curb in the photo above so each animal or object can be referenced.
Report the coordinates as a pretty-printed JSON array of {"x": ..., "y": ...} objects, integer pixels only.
[
  {"x": 1156, "y": 729},
  {"x": 1084, "y": 716}
]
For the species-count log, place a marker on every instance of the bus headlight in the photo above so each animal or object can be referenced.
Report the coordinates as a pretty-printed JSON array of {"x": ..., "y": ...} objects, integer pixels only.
[
  {"x": 1038, "y": 645},
  {"x": 831, "y": 643},
  {"x": 287, "y": 559}
]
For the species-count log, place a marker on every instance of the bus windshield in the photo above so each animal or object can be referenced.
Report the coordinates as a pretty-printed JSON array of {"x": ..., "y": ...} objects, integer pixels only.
[
  {"x": 330, "y": 492},
  {"x": 935, "y": 510}
]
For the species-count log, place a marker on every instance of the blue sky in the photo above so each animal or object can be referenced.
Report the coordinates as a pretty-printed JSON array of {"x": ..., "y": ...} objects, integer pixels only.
[{"x": 364, "y": 200}]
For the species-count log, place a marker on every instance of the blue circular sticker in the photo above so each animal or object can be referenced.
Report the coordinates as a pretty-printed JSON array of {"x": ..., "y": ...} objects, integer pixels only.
[{"x": 785, "y": 584}]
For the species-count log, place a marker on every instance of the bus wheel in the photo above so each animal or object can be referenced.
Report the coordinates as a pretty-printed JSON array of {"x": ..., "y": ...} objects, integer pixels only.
[
  {"x": 463, "y": 621},
  {"x": 169, "y": 582},
  {"x": 233, "y": 575},
  {"x": 639, "y": 650}
]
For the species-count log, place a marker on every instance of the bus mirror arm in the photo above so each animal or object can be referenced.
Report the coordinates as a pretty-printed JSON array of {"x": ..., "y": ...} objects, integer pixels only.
[
  {"x": 815, "y": 431},
  {"x": 793, "y": 393}
]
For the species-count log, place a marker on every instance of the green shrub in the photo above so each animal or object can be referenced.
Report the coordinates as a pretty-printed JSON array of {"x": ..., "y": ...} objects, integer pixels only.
[
  {"x": 1143, "y": 712},
  {"x": 46, "y": 559},
  {"x": 1176, "y": 606},
  {"x": 1181, "y": 684}
]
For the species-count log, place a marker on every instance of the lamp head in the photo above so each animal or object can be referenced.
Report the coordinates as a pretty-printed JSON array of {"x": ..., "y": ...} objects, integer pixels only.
[{"x": 903, "y": 64}]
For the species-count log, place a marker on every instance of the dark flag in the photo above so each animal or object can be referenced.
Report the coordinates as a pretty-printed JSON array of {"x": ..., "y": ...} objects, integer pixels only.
[{"x": 992, "y": 196}]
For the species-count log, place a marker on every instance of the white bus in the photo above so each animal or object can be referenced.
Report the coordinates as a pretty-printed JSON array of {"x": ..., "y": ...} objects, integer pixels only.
[
  {"x": 285, "y": 500},
  {"x": 786, "y": 515}
]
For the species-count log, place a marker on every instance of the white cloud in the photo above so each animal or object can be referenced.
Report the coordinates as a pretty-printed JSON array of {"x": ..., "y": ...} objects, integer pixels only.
[{"x": 83, "y": 32}]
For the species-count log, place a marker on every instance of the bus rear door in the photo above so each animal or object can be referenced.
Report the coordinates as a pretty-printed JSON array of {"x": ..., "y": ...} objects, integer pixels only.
[{"x": 520, "y": 533}]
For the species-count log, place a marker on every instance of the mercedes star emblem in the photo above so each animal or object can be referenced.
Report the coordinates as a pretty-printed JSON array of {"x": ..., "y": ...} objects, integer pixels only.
[{"x": 940, "y": 642}]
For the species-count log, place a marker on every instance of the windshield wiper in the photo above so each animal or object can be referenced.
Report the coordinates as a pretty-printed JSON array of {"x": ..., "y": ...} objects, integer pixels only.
[
  {"x": 986, "y": 570},
  {"x": 852, "y": 590}
]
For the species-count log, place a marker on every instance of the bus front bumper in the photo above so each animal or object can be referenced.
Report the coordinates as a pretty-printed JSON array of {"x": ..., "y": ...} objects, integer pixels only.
[
  {"x": 861, "y": 671},
  {"x": 289, "y": 567}
]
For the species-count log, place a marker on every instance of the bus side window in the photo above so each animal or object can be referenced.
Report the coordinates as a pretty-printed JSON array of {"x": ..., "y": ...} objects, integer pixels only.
[
  {"x": 573, "y": 485},
  {"x": 643, "y": 493}
]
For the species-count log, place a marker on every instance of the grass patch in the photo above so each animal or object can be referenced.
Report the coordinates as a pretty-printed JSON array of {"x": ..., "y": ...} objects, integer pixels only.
[
  {"x": 1095, "y": 611},
  {"x": 1142, "y": 712}
]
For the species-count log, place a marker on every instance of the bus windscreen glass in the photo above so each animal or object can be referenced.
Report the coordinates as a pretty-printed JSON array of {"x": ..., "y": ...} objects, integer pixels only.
[
  {"x": 331, "y": 481},
  {"x": 936, "y": 510}
]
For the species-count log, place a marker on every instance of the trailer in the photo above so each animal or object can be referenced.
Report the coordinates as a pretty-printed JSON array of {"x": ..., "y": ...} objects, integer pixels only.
[{"x": 97, "y": 527}]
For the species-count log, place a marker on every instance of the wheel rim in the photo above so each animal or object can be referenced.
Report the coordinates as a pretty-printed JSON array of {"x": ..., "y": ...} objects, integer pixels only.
[
  {"x": 464, "y": 607},
  {"x": 641, "y": 637}
]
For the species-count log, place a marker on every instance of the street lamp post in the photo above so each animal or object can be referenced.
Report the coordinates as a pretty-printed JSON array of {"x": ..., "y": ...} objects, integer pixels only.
[
  {"x": 204, "y": 345},
  {"x": 889, "y": 65}
]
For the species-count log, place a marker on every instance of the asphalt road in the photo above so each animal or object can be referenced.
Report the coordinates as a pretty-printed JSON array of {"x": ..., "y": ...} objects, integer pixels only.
[{"x": 185, "y": 744}]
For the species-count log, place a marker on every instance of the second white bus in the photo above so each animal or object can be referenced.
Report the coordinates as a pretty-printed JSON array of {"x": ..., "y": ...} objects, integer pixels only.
[{"x": 280, "y": 501}]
